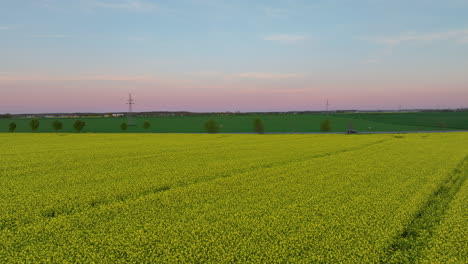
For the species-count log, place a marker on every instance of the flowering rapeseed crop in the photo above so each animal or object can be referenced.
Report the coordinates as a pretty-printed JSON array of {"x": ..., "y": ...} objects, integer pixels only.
[{"x": 229, "y": 198}]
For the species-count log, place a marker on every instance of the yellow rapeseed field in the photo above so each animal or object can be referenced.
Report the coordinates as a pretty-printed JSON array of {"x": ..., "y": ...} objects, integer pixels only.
[{"x": 152, "y": 198}]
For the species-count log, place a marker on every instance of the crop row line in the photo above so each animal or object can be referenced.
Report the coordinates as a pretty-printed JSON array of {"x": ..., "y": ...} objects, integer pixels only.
[
  {"x": 154, "y": 190},
  {"x": 95, "y": 204},
  {"x": 408, "y": 245}
]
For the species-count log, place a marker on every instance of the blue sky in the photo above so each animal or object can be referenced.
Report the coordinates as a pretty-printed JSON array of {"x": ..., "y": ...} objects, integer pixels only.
[{"x": 208, "y": 55}]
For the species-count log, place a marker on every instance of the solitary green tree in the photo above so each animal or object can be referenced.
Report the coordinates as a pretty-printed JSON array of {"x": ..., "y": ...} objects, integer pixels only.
[
  {"x": 57, "y": 125},
  {"x": 123, "y": 126},
  {"x": 34, "y": 124},
  {"x": 211, "y": 126},
  {"x": 79, "y": 125},
  {"x": 325, "y": 126},
  {"x": 259, "y": 127},
  {"x": 12, "y": 127},
  {"x": 146, "y": 125}
]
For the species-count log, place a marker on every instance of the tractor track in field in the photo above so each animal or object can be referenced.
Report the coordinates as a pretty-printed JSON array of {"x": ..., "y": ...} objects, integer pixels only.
[
  {"x": 50, "y": 213},
  {"x": 154, "y": 190},
  {"x": 408, "y": 245}
]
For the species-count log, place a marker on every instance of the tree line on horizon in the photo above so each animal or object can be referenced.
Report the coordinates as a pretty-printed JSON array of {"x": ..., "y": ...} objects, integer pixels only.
[
  {"x": 57, "y": 125},
  {"x": 211, "y": 126}
]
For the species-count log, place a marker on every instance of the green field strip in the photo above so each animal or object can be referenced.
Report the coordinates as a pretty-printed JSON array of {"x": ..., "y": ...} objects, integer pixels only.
[
  {"x": 388, "y": 126},
  {"x": 415, "y": 126},
  {"x": 244, "y": 123},
  {"x": 449, "y": 120},
  {"x": 408, "y": 246}
]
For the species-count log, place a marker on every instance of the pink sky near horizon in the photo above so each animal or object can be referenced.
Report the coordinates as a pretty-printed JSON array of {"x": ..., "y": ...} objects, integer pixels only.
[{"x": 262, "y": 92}]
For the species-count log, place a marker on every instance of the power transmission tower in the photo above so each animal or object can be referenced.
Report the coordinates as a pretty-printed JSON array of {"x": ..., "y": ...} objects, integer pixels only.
[
  {"x": 327, "y": 105},
  {"x": 130, "y": 103}
]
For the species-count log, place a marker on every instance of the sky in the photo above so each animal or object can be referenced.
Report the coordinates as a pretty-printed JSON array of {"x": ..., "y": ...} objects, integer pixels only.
[{"x": 238, "y": 55}]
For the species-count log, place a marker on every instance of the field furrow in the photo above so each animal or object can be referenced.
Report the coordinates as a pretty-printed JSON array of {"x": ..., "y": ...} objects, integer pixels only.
[
  {"x": 407, "y": 246},
  {"x": 449, "y": 240}
]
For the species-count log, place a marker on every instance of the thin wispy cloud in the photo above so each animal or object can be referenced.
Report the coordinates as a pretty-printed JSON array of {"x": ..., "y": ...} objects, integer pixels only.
[
  {"x": 207, "y": 74},
  {"x": 391, "y": 42},
  {"x": 45, "y": 3},
  {"x": 136, "y": 38},
  {"x": 52, "y": 36},
  {"x": 286, "y": 38},
  {"x": 464, "y": 40},
  {"x": 133, "y": 5},
  {"x": 246, "y": 75},
  {"x": 17, "y": 76},
  {"x": 6, "y": 73},
  {"x": 268, "y": 76},
  {"x": 277, "y": 12},
  {"x": 376, "y": 58},
  {"x": 8, "y": 27},
  {"x": 56, "y": 5},
  {"x": 115, "y": 77},
  {"x": 454, "y": 35}
]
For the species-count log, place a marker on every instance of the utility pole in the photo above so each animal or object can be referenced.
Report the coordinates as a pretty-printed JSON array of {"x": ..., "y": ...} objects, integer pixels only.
[{"x": 130, "y": 103}]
